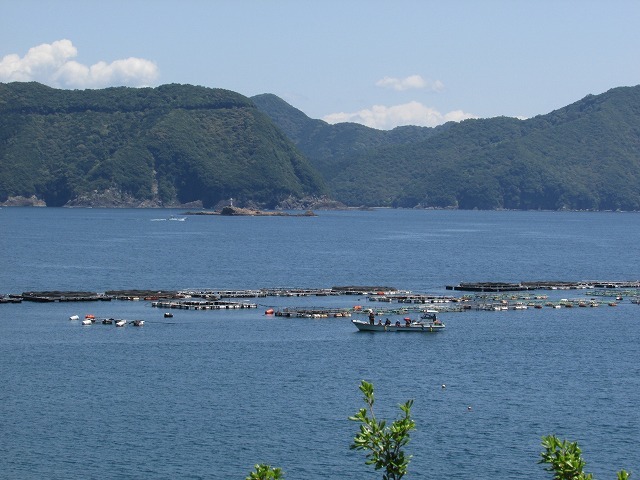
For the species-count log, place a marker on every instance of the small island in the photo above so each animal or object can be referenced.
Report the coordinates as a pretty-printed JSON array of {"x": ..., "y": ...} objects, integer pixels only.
[{"x": 231, "y": 211}]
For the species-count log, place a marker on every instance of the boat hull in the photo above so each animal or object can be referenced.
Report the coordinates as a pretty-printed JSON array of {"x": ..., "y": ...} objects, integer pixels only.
[{"x": 412, "y": 328}]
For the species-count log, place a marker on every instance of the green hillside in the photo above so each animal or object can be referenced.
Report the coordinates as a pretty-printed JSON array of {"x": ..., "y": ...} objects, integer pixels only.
[
  {"x": 583, "y": 156},
  {"x": 181, "y": 144},
  {"x": 170, "y": 145},
  {"x": 331, "y": 147}
]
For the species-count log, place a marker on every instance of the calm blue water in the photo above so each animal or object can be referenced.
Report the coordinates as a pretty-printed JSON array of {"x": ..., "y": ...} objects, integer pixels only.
[{"x": 209, "y": 394}]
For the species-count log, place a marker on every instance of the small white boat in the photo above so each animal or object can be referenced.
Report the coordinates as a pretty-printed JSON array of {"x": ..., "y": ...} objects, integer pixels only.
[
  {"x": 120, "y": 323},
  {"x": 137, "y": 323},
  {"x": 86, "y": 321},
  {"x": 74, "y": 317},
  {"x": 430, "y": 326}
]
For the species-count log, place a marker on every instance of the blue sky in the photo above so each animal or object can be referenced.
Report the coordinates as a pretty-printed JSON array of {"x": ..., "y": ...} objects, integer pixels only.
[{"x": 381, "y": 63}]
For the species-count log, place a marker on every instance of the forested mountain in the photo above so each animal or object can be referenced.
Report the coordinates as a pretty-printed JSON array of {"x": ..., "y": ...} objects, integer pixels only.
[
  {"x": 170, "y": 145},
  {"x": 181, "y": 144},
  {"x": 583, "y": 156},
  {"x": 329, "y": 147}
]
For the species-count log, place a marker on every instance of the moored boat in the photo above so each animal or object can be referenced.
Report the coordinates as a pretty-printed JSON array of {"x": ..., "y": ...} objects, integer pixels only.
[{"x": 429, "y": 326}]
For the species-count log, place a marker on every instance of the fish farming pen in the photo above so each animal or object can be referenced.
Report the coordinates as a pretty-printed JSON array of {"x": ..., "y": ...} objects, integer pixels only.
[
  {"x": 365, "y": 290},
  {"x": 487, "y": 287},
  {"x": 440, "y": 308},
  {"x": 262, "y": 293},
  {"x": 299, "y": 292},
  {"x": 217, "y": 294},
  {"x": 10, "y": 299},
  {"x": 58, "y": 296},
  {"x": 616, "y": 293},
  {"x": 490, "y": 303},
  {"x": 313, "y": 312},
  {"x": 202, "y": 305},
  {"x": 422, "y": 299},
  {"x": 387, "y": 300},
  {"x": 135, "y": 295},
  {"x": 479, "y": 297},
  {"x": 540, "y": 285}
]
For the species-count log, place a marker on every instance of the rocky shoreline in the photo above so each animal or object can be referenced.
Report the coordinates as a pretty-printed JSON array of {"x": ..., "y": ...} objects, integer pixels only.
[
  {"x": 114, "y": 198},
  {"x": 249, "y": 212}
]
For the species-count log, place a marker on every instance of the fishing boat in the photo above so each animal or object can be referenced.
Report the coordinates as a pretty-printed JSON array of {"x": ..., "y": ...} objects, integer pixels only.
[
  {"x": 429, "y": 324},
  {"x": 120, "y": 323}
]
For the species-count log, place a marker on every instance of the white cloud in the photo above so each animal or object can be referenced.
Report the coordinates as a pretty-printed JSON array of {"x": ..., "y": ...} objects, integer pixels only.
[
  {"x": 386, "y": 118},
  {"x": 412, "y": 82},
  {"x": 53, "y": 64}
]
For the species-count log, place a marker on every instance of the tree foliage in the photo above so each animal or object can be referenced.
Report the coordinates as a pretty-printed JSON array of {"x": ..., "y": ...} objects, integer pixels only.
[
  {"x": 384, "y": 444},
  {"x": 385, "y": 447},
  {"x": 265, "y": 472},
  {"x": 565, "y": 460}
]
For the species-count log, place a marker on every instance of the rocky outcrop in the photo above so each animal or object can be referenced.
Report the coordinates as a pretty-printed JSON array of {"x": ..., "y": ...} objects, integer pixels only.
[
  {"x": 115, "y": 198},
  {"x": 20, "y": 201},
  {"x": 230, "y": 211},
  {"x": 311, "y": 203}
]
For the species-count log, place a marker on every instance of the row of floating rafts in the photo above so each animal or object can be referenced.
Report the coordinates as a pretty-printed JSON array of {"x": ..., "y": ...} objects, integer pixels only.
[
  {"x": 381, "y": 298},
  {"x": 358, "y": 309},
  {"x": 585, "y": 303},
  {"x": 217, "y": 294},
  {"x": 619, "y": 294},
  {"x": 563, "y": 303},
  {"x": 418, "y": 299},
  {"x": 306, "y": 313},
  {"x": 508, "y": 296},
  {"x": 90, "y": 319},
  {"x": 203, "y": 305}
]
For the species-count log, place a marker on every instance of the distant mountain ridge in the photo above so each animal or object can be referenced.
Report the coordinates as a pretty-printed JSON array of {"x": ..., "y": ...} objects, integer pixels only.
[
  {"x": 329, "y": 146},
  {"x": 164, "y": 146},
  {"x": 196, "y": 146},
  {"x": 584, "y": 156}
]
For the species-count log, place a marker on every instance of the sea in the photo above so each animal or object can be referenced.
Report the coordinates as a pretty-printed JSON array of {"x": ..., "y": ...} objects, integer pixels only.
[{"x": 209, "y": 394}]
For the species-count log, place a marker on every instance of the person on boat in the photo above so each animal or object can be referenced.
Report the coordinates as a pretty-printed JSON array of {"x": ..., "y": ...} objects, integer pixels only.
[
  {"x": 397, "y": 323},
  {"x": 407, "y": 321},
  {"x": 372, "y": 318},
  {"x": 387, "y": 322},
  {"x": 379, "y": 322}
]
